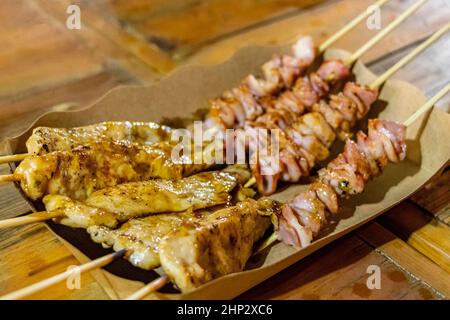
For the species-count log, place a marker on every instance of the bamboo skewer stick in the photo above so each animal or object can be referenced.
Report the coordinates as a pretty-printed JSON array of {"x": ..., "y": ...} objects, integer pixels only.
[
  {"x": 31, "y": 218},
  {"x": 424, "y": 45},
  {"x": 322, "y": 48},
  {"x": 13, "y": 157},
  {"x": 416, "y": 115},
  {"x": 153, "y": 286},
  {"x": 383, "y": 33},
  {"x": 34, "y": 288},
  {"x": 348, "y": 27},
  {"x": 9, "y": 178},
  {"x": 427, "y": 106}
]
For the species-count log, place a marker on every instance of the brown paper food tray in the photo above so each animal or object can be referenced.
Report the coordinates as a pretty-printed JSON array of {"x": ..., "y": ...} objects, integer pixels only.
[{"x": 187, "y": 90}]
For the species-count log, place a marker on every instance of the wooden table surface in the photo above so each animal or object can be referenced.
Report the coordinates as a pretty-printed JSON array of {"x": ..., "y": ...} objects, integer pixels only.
[{"x": 44, "y": 65}]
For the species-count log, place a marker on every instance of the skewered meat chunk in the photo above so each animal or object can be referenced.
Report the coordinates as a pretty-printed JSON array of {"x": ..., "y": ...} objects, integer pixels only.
[
  {"x": 76, "y": 214},
  {"x": 222, "y": 244},
  {"x": 198, "y": 191},
  {"x": 123, "y": 202},
  {"x": 309, "y": 137},
  {"x": 44, "y": 139},
  {"x": 141, "y": 237},
  {"x": 234, "y": 107},
  {"x": 79, "y": 172},
  {"x": 302, "y": 218}
]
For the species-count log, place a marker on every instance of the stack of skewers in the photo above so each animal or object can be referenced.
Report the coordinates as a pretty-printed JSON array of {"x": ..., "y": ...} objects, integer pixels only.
[{"x": 198, "y": 222}]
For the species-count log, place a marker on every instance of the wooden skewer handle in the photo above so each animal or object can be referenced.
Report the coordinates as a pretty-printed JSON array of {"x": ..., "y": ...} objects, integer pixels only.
[
  {"x": 348, "y": 27},
  {"x": 34, "y": 288},
  {"x": 380, "y": 35},
  {"x": 13, "y": 157},
  {"x": 31, "y": 218},
  {"x": 9, "y": 178},
  {"x": 153, "y": 286},
  {"x": 427, "y": 106},
  {"x": 424, "y": 45}
]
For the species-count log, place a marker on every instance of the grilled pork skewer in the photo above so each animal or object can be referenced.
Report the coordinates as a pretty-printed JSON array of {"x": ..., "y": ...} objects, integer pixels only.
[
  {"x": 278, "y": 68},
  {"x": 298, "y": 221},
  {"x": 108, "y": 207},
  {"x": 306, "y": 139},
  {"x": 249, "y": 103},
  {"x": 303, "y": 217},
  {"x": 248, "y": 100}
]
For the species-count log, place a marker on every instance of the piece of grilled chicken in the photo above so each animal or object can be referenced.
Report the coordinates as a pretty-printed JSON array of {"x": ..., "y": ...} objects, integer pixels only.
[
  {"x": 117, "y": 204},
  {"x": 45, "y": 139},
  {"x": 220, "y": 245},
  {"x": 79, "y": 172},
  {"x": 192, "y": 247},
  {"x": 141, "y": 236}
]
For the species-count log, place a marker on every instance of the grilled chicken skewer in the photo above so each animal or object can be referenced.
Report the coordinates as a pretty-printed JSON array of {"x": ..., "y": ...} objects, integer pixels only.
[
  {"x": 279, "y": 69},
  {"x": 45, "y": 140},
  {"x": 306, "y": 139},
  {"x": 227, "y": 235},
  {"x": 79, "y": 172},
  {"x": 111, "y": 206}
]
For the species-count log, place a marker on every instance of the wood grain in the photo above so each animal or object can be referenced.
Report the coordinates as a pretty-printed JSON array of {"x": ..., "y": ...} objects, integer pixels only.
[
  {"x": 435, "y": 197},
  {"x": 405, "y": 257},
  {"x": 181, "y": 27},
  {"x": 31, "y": 253},
  {"x": 421, "y": 231},
  {"x": 339, "y": 271},
  {"x": 321, "y": 22}
]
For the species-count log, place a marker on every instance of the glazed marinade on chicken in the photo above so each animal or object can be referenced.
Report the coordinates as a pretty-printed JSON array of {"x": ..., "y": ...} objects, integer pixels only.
[
  {"x": 303, "y": 217},
  {"x": 79, "y": 172},
  {"x": 141, "y": 236},
  {"x": 45, "y": 139},
  {"x": 230, "y": 231},
  {"x": 220, "y": 245},
  {"x": 112, "y": 205}
]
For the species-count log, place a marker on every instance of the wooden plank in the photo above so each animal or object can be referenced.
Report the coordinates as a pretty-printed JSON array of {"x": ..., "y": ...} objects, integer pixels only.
[
  {"x": 324, "y": 276},
  {"x": 435, "y": 197},
  {"x": 427, "y": 72},
  {"x": 12, "y": 203},
  {"x": 421, "y": 231},
  {"x": 104, "y": 33},
  {"x": 410, "y": 260},
  {"x": 30, "y": 254},
  {"x": 321, "y": 22},
  {"x": 37, "y": 51},
  {"x": 181, "y": 27},
  {"x": 72, "y": 95}
]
